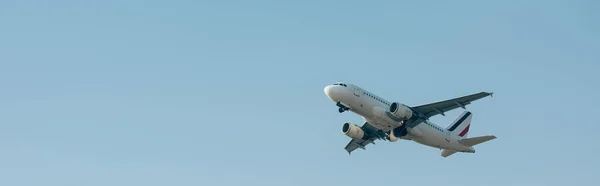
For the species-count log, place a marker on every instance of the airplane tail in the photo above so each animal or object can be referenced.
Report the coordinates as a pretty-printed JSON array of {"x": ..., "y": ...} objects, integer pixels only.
[{"x": 460, "y": 126}]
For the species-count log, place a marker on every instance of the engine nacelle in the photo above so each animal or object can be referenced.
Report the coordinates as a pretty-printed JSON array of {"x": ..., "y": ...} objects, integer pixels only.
[
  {"x": 400, "y": 111},
  {"x": 353, "y": 131}
]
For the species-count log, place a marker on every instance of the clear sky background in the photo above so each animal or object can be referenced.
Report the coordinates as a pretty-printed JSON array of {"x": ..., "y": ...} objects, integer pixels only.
[{"x": 231, "y": 92}]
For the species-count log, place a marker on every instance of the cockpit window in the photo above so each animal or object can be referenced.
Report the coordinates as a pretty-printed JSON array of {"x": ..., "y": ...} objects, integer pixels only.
[{"x": 340, "y": 84}]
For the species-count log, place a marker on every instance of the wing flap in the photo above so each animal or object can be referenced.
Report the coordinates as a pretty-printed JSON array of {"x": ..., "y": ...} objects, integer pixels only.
[{"x": 355, "y": 144}]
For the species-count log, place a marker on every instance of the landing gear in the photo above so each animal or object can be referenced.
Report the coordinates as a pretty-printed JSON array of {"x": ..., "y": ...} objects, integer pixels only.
[
  {"x": 342, "y": 107},
  {"x": 403, "y": 131},
  {"x": 400, "y": 131}
]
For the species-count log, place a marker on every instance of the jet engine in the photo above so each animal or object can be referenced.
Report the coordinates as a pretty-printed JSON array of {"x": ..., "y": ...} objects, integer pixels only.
[
  {"x": 400, "y": 111},
  {"x": 353, "y": 131}
]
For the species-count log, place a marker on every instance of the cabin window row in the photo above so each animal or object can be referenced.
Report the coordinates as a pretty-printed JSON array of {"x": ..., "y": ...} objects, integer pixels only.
[
  {"x": 376, "y": 98},
  {"x": 435, "y": 127}
]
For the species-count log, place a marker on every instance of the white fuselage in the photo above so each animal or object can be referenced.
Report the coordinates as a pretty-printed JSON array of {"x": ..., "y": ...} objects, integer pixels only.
[{"x": 372, "y": 108}]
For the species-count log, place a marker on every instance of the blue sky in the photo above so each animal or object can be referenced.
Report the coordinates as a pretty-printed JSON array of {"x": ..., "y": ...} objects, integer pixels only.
[{"x": 231, "y": 92}]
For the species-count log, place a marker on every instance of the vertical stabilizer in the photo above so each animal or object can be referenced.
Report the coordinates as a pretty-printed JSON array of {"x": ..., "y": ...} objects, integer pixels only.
[
  {"x": 460, "y": 126},
  {"x": 459, "y": 130}
]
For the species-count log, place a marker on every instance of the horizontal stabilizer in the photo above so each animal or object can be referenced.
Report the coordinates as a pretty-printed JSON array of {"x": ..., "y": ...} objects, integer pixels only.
[
  {"x": 446, "y": 152},
  {"x": 476, "y": 140}
]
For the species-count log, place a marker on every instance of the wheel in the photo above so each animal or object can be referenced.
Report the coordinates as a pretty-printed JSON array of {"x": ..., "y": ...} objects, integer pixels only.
[
  {"x": 403, "y": 132},
  {"x": 341, "y": 110},
  {"x": 400, "y": 131}
]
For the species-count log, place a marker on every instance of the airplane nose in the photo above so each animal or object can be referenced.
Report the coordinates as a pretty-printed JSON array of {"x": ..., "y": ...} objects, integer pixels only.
[{"x": 329, "y": 91}]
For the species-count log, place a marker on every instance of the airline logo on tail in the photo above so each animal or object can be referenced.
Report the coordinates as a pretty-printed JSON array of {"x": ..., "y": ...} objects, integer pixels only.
[
  {"x": 465, "y": 131},
  {"x": 463, "y": 123}
]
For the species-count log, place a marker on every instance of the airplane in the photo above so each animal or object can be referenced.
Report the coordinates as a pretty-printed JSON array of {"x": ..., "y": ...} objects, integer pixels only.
[{"x": 391, "y": 121}]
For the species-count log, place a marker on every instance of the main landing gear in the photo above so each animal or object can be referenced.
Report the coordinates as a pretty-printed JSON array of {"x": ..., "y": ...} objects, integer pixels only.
[
  {"x": 342, "y": 107},
  {"x": 400, "y": 131}
]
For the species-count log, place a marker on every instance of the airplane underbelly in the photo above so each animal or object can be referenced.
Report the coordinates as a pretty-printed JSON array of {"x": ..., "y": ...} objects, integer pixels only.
[
  {"x": 380, "y": 115},
  {"x": 362, "y": 111},
  {"x": 375, "y": 113}
]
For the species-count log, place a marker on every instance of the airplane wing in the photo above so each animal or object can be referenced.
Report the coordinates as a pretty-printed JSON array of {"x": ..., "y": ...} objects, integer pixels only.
[
  {"x": 432, "y": 109},
  {"x": 355, "y": 144},
  {"x": 372, "y": 134}
]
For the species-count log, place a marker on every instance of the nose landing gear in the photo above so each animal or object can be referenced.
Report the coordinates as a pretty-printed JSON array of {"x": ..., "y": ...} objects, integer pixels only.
[{"x": 342, "y": 107}]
